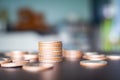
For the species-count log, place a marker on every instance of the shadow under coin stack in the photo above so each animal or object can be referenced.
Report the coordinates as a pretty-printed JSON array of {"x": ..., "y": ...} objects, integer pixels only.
[{"x": 50, "y": 51}]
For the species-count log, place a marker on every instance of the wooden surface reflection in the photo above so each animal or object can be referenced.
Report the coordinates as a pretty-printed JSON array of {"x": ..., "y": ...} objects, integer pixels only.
[{"x": 66, "y": 70}]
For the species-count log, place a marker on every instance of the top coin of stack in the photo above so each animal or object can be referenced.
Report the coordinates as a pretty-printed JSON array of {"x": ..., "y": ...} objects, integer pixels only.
[
  {"x": 50, "y": 51},
  {"x": 94, "y": 56}
]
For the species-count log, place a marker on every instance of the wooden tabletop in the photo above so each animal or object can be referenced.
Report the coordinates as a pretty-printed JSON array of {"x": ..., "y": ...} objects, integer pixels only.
[{"x": 66, "y": 70}]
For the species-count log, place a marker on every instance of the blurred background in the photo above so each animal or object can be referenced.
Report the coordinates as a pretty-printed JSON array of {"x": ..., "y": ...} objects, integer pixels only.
[{"x": 87, "y": 25}]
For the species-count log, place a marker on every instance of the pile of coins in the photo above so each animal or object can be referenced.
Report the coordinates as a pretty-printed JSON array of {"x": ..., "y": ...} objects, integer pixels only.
[
  {"x": 31, "y": 57},
  {"x": 93, "y": 60},
  {"x": 50, "y": 51},
  {"x": 27, "y": 60},
  {"x": 18, "y": 56}
]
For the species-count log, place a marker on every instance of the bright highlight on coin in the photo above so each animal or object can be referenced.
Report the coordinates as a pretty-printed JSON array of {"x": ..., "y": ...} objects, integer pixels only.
[
  {"x": 90, "y": 53},
  {"x": 93, "y": 63},
  {"x": 34, "y": 67},
  {"x": 113, "y": 57}
]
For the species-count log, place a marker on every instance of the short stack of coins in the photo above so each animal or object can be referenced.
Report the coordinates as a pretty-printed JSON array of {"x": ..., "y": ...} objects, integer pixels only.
[
  {"x": 17, "y": 56},
  {"x": 50, "y": 51}
]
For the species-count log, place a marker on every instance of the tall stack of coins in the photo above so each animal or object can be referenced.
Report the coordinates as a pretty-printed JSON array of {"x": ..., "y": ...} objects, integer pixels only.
[{"x": 50, "y": 51}]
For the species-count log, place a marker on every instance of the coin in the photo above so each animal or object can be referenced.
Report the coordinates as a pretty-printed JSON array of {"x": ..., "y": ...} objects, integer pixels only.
[
  {"x": 50, "y": 48},
  {"x": 4, "y": 60},
  {"x": 72, "y": 54},
  {"x": 95, "y": 57},
  {"x": 90, "y": 53},
  {"x": 51, "y": 53},
  {"x": 50, "y": 44},
  {"x": 113, "y": 57},
  {"x": 13, "y": 64},
  {"x": 33, "y": 67},
  {"x": 50, "y": 59},
  {"x": 16, "y": 53},
  {"x": 30, "y": 56},
  {"x": 93, "y": 63}
]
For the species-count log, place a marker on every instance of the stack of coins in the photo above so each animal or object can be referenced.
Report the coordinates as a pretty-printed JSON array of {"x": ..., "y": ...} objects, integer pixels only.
[
  {"x": 17, "y": 56},
  {"x": 31, "y": 57},
  {"x": 94, "y": 56},
  {"x": 4, "y": 60},
  {"x": 50, "y": 51},
  {"x": 72, "y": 54}
]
